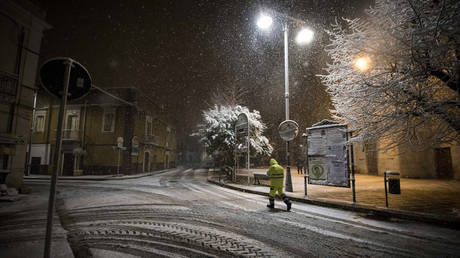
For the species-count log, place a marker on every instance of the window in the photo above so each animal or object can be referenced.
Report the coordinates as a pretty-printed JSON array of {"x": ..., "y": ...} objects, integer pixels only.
[
  {"x": 39, "y": 122},
  {"x": 72, "y": 122},
  {"x": 108, "y": 123},
  {"x": 148, "y": 126}
]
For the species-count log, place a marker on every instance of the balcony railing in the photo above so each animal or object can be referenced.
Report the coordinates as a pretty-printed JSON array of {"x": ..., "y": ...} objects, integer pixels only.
[
  {"x": 150, "y": 138},
  {"x": 8, "y": 87},
  {"x": 70, "y": 134}
]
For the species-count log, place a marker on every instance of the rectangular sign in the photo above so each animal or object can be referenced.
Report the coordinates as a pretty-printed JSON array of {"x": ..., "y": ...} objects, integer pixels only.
[{"x": 327, "y": 155}]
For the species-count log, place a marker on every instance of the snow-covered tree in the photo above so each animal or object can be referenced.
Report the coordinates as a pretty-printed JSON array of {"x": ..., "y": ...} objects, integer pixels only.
[
  {"x": 228, "y": 95},
  {"x": 217, "y": 132},
  {"x": 409, "y": 92}
]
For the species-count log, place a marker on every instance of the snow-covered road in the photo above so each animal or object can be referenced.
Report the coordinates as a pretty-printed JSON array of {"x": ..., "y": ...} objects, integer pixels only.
[{"x": 178, "y": 213}]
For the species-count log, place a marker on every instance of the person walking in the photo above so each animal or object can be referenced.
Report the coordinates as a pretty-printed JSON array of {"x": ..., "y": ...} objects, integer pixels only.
[
  {"x": 299, "y": 166},
  {"x": 276, "y": 175}
]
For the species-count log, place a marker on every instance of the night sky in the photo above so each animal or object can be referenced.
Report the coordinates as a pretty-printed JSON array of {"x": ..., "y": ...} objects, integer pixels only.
[{"x": 179, "y": 52}]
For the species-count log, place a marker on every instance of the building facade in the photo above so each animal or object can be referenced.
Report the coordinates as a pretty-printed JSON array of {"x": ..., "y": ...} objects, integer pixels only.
[
  {"x": 21, "y": 32},
  {"x": 441, "y": 161},
  {"x": 93, "y": 129}
]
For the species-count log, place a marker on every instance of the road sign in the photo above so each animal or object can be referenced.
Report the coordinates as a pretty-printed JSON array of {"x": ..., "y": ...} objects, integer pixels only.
[
  {"x": 242, "y": 131},
  {"x": 134, "y": 146},
  {"x": 241, "y": 126},
  {"x": 120, "y": 142},
  {"x": 52, "y": 78},
  {"x": 288, "y": 130}
]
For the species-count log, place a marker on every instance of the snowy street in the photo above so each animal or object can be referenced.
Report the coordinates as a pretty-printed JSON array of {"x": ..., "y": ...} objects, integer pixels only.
[{"x": 178, "y": 213}]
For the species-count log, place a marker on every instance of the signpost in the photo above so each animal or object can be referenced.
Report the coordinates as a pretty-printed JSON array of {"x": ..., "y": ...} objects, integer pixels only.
[
  {"x": 328, "y": 155},
  {"x": 134, "y": 146},
  {"x": 242, "y": 130},
  {"x": 288, "y": 130},
  {"x": 52, "y": 75},
  {"x": 66, "y": 79},
  {"x": 119, "y": 147}
]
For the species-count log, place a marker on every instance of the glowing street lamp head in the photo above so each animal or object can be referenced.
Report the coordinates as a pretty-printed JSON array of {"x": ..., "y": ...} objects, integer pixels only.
[
  {"x": 264, "y": 22},
  {"x": 362, "y": 63},
  {"x": 304, "y": 36}
]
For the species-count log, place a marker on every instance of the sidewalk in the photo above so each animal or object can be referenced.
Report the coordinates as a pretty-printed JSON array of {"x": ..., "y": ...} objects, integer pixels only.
[
  {"x": 96, "y": 177},
  {"x": 23, "y": 227},
  {"x": 429, "y": 200}
]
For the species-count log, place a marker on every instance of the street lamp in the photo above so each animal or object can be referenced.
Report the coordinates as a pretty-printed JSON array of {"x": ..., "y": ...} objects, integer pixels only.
[
  {"x": 305, "y": 36},
  {"x": 264, "y": 22},
  {"x": 362, "y": 63}
]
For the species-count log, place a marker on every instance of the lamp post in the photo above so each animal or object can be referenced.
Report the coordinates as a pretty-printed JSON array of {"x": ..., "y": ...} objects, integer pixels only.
[
  {"x": 303, "y": 37},
  {"x": 362, "y": 63}
]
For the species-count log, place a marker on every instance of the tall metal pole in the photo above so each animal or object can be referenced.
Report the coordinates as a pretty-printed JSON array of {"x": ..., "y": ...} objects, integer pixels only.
[
  {"x": 288, "y": 181},
  {"x": 235, "y": 153},
  {"x": 248, "y": 165},
  {"x": 118, "y": 161},
  {"x": 286, "y": 69},
  {"x": 29, "y": 147},
  {"x": 56, "y": 161}
]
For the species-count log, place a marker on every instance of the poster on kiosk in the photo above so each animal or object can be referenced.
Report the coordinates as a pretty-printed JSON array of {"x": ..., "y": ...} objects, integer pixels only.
[{"x": 328, "y": 154}]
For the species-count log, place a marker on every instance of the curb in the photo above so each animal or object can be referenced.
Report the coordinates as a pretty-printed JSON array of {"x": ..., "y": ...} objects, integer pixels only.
[
  {"x": 448, "y": 222},
  {"x": 97, "y": 178}
]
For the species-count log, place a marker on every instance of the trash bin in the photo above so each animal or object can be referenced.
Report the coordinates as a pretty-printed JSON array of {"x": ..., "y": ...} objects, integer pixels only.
[{"x": 394, "y": 185}]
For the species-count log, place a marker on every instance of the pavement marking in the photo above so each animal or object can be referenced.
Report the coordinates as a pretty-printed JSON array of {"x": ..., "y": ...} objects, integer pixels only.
[
  {"x": 239, "y": 207},
  {"x": 346, "y": 218},
  {"x": 384, "y": 248},
  {"x": 212, "y": 193}
]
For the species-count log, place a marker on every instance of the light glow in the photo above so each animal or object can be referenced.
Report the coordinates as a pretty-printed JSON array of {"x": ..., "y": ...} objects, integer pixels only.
[
  {"x": 264, "y": 22},
  {"x": 304, "y": 36},
  {"x": 362, "y": 63}
]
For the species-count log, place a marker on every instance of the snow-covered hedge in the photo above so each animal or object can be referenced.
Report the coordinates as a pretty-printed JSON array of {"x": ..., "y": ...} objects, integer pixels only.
[{"x": 217, "y": 132}]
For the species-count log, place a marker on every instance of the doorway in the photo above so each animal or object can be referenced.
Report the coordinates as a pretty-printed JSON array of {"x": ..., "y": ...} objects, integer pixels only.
[
  {"x": 146, "y": 162},
  {"x": 443, "y": 163},
  {"x": 67, "y": 167},
  {"x": 35, "y": 165}
]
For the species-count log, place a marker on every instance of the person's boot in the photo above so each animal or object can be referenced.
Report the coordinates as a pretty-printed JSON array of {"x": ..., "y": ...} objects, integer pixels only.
[
  {"x": 287, "y": 202},
  {"x": 271, "y": 203}
]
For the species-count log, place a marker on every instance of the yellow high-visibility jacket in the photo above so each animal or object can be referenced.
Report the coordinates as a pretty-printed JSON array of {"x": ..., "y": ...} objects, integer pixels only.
[{"x": 276, "y": 173}]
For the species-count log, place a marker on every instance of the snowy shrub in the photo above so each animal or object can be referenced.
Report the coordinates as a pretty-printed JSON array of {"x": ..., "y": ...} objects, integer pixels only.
[{"x": 217, "y": 132}]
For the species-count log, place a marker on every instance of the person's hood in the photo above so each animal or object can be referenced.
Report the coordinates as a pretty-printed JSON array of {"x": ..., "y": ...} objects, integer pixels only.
[{"x": 273, "y": 162}]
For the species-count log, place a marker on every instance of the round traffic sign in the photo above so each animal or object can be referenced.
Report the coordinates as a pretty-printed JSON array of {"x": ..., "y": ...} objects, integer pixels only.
[
  {"x": 52, "y": 74},
  {"x": 288, "y": 130}
]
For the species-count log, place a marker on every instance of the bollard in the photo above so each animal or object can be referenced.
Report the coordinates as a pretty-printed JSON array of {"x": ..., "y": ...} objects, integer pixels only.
[{"x": 394, "y": 186}]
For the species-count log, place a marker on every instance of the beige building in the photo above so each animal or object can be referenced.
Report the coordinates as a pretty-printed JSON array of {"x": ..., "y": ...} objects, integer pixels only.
[
  {"x": 92, "y": 127},
  {"x": 433, "y": 162},
  {"x": 21, "y": 32}
]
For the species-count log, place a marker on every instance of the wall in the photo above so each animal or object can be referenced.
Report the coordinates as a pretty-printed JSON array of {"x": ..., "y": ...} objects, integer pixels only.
[
  {"x": 417, "y": 163},
  {"x": 19, "y": 27}
]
